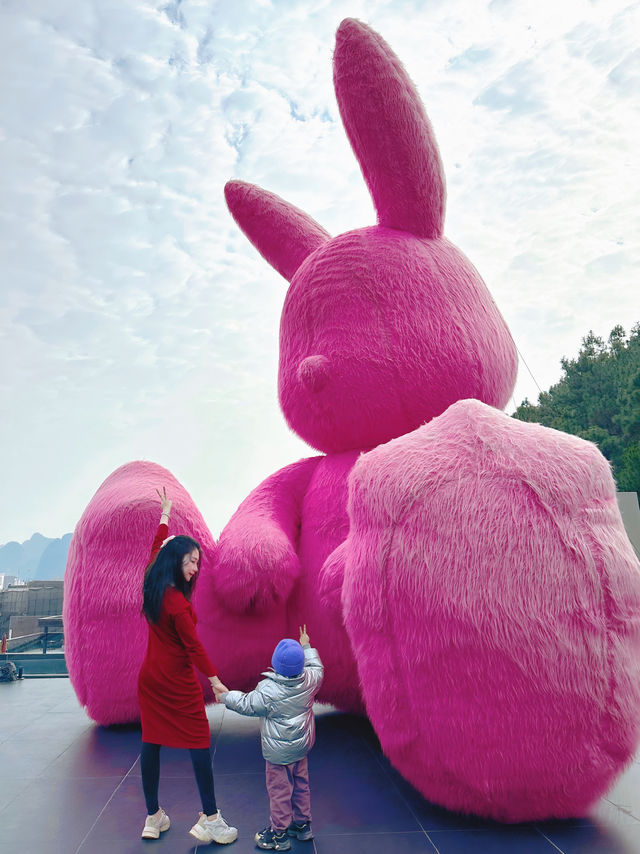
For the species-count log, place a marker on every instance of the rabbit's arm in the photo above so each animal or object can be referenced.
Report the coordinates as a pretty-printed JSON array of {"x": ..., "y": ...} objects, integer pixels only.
[
  {"x": 256, "y": 560},
  {"x": 331, "y": 578}
]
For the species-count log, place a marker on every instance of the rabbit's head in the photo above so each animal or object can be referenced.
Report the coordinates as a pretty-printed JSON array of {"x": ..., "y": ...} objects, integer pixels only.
[{"x": 385, "y": 327}]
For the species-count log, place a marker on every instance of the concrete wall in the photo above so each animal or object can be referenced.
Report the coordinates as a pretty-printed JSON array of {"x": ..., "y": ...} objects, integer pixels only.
[
  {"x": 20, "y": 626},
  {"x": 630, "y": 512},
  {"x": 35, "y": 599}
]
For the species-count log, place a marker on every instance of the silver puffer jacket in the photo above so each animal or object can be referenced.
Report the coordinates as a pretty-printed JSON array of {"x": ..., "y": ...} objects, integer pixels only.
[{"x": 284, "y": 705}]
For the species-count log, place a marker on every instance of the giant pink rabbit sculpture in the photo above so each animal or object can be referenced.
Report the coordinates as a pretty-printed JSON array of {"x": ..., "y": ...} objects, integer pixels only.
[
  {"x": 482, "y": 573},
  {"x": 382, "y": 329}
]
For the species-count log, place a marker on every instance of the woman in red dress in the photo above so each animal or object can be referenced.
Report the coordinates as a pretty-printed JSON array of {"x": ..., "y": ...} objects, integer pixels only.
[{"x": 171, "y": 698}]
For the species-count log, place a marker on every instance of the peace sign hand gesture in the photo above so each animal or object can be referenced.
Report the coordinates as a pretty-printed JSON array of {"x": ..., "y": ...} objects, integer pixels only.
[{"x": 165, "y": 502}]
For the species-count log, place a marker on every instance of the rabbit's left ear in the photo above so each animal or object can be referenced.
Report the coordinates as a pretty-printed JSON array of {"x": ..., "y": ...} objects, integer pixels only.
[
  {"x": 389, "y": 132},
  {"x": 283, "y": 234}
]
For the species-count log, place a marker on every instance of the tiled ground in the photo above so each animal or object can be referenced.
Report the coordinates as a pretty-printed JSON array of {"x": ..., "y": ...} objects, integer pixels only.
[{"x": 69, "y": 786}]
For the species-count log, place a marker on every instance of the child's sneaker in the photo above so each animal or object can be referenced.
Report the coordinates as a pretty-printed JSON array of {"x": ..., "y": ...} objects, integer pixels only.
[
  {"x": 214, "y": 830},
  {"x": 300, "y": 829},
  {"x": 156, "y": 824},
  {"x": 268, "y": 838}
]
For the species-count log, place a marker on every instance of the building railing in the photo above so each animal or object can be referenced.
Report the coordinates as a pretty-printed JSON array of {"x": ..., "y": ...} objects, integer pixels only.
[
  {"x": 43, "y": 641},
  {"x": 35, "y": 665}
]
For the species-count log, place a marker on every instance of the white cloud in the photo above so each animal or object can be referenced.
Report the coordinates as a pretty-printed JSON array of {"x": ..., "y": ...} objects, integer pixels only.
[{"x": 136, "y": 320}]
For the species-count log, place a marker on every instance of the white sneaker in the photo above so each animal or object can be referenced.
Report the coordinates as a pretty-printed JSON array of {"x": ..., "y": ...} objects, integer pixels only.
[
  {"x": 216, "y": 830},
  {"x": 156, "y": 824}
]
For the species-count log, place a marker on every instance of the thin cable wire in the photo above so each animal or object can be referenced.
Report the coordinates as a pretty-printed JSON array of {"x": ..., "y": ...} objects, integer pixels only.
[
  {"x": 529, "y": 369},
  {"x": 524, "y": 362}
]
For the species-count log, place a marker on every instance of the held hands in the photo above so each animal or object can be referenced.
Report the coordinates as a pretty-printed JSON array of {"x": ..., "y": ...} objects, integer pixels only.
[
  {"x": 217, "y": 686},
  {"x": 165, "y": 502},
  {"x": 304, "y": 637}
]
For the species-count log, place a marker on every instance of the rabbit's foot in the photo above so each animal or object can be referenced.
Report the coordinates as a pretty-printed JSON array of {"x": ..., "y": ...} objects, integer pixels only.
[{"x": 105, "y": 632}]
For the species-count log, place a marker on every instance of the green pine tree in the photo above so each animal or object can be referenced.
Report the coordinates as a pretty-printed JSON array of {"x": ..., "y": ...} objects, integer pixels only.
[{"x": 598, "y": 398}]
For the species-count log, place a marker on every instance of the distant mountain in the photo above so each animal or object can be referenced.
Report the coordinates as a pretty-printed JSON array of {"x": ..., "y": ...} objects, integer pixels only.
[{"x": 41, "y": 558}]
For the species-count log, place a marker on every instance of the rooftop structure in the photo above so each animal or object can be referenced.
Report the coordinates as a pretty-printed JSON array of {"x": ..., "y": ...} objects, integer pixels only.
[{"x": 69, "y": 786}]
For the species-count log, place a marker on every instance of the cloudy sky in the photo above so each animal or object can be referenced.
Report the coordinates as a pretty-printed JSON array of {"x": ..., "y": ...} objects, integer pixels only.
[{"x": 136, "y": 322}]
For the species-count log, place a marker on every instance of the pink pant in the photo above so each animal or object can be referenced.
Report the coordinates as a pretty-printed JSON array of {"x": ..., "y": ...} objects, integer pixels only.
[{"x": 289, "y": 796}]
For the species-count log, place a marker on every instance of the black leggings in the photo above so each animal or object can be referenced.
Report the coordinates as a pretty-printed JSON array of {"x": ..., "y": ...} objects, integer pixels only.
[{"x": 150, "y": 768}]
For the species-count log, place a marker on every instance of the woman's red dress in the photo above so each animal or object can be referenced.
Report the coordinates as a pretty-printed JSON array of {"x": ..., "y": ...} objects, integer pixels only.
[{"x": 170, "y": 697}]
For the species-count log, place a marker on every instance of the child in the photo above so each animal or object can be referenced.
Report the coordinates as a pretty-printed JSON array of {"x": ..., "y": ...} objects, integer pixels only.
[{"x": 284, "y": 701}]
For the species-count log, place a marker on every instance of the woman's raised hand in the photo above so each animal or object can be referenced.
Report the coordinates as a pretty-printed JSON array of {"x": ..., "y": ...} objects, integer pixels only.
[
  {"x": 164, "y": 501},
  {"x": 304, "y": 637}
]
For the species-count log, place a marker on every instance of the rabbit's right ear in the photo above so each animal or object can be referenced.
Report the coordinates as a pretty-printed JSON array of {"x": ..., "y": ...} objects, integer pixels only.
[
  {"x": 389, "y": 132},
  {"x": 283, "y": 234}
]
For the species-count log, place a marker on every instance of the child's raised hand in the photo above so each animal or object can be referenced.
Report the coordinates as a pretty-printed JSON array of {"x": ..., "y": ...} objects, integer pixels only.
[{"x": 304, "y": 637}]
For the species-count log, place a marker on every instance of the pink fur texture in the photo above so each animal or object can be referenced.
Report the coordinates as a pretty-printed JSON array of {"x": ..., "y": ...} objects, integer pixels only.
[
  {"x": 385, "y": 327},
  {"x": 382, "y": 329},
  {"x": 482, "y": 578},
  {"x": 489, "y": 578},
  {"x": 105, "y": 633},
  {"x": 389, "y": 132}
]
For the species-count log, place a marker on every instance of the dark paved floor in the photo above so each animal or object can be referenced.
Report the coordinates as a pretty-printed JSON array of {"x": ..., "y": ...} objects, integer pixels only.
[{"x": 69, "y": 786}]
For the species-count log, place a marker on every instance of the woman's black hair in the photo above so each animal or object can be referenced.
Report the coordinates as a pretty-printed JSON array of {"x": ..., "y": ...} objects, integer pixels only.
[{"x": 166, "y": 571}]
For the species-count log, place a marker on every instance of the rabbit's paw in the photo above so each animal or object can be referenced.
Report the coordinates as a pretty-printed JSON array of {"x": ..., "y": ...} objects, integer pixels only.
[
  {"x": 105, "y": 632},
  {"x": 256, "y": 566},
  {"x": 491, "y": 590}
]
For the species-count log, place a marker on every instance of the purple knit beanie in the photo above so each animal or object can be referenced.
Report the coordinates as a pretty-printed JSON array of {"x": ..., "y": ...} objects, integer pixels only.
[{"x": 288, "y": 658}]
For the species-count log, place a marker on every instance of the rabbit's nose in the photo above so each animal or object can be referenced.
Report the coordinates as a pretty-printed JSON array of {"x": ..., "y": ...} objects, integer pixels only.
[{"x": 313, "y": 373}]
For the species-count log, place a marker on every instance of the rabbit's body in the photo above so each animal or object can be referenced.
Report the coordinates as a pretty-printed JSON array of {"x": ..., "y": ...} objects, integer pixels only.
[
  {"x": 269, "y": 563},
  {"x": 383, "y": 330}
]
